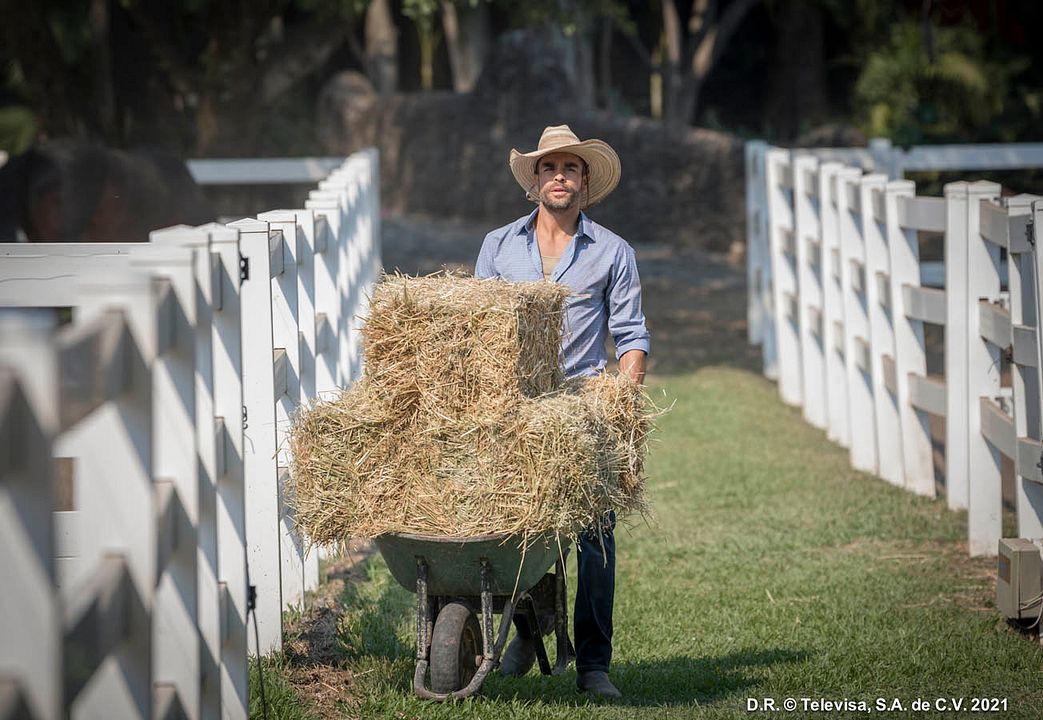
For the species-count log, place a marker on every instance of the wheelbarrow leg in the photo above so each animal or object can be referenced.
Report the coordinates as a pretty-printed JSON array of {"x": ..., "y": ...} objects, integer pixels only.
[
  {"x": 564, "y": 652},
  {"x": 424, "y": 625},
  {"x": 532, "y": 617},
  {"x": 490, "y": 651}
]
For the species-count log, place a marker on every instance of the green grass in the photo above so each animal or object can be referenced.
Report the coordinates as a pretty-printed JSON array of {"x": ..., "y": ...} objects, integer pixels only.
[{"x": 771, "y": 569}]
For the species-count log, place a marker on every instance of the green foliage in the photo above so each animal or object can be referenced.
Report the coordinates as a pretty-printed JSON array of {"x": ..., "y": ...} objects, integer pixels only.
[
  {"x": 17, "y": 129},
  {"x": 905, "y": 95}
]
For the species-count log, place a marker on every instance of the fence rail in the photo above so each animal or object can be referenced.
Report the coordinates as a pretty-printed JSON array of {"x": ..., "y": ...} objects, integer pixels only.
[
  {"x": 143, "y": 455},
  {"x": 837, "y": 303}
]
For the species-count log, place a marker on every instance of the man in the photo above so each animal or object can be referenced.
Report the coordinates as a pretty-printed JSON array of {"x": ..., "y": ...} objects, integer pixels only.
[{"x": 560, "y": 243}]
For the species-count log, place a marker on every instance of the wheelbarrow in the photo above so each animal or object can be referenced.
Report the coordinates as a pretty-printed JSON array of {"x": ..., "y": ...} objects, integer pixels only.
[{"x": 460, "y": 584}]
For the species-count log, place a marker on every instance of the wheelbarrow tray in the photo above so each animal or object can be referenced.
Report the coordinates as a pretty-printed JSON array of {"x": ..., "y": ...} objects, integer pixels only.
[{"x": 454, "y": 565}]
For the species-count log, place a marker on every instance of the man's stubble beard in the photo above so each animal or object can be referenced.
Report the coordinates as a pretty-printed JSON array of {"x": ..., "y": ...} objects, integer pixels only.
[{"x": 564, "y": 203}]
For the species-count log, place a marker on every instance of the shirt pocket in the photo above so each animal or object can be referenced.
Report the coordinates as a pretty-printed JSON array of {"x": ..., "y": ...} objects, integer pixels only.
[{"x": 590, "y": 294}]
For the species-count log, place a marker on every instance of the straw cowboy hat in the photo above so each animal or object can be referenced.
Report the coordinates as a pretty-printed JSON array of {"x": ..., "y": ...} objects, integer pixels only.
[{"x": 601, "y": 159}]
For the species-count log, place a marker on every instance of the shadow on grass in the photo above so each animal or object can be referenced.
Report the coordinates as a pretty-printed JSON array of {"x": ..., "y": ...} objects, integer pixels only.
[
  {"x": 373, "y": 634},
  {"x": 681, "y": 680},
  {"x": 371, "y": 630}
]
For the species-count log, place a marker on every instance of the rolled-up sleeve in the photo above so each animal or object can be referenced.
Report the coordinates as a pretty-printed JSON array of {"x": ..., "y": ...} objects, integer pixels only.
[{"x": 626, "y": 321}]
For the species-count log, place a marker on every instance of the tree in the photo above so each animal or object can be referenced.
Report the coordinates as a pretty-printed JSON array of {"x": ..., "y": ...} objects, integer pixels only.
[
  {"x": 122, "y": 70},
  {"x": 692, "y": 49},
  {"x": 953, "y": 94},
  {"x": 381, "y": 53},
  {"x": 422, "y": 13},
  {"x": 467, "y": 35}
]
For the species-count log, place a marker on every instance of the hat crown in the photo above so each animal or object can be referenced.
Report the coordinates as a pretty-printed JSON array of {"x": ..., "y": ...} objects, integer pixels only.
[{"x": 557, "y": 136}]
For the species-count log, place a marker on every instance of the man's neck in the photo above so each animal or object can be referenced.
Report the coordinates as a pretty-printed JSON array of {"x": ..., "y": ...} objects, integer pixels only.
[{"x": 557, "y": 225}]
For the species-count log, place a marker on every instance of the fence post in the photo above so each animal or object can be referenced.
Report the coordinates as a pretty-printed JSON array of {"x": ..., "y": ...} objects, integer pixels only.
[
  {"x": 857, "y": 341},
  {"x": 1023, "y": 285},
  {"x": 880, "y": 309},
  {"x": 884, "y": 156},
  {"x": 328, "y": 219},
  {"x": 910, "y": 356},
  {"x": 376, "y": 261},
  {"x": 306, "y": 323},
  {"x": 205, "y": 428},
  {"x": 808, "y": 239},
  {"x": 785, "y": 292},
  {"x": 837, "y": 428},
  {"x": 264, "y": 561},
  {"x": 305, "y": 229},
  {"x": 30, "y": 616},
  {"x": 348, "y": 184},
  {"x": 230, "y": 445},
  {"x": 762, "y": 315},
  {"x": 984, "y": 499},
  {"x": 957, "y": 405},
  {"x": 175, "y": 469},
  {"x": 287, "y": 364}
]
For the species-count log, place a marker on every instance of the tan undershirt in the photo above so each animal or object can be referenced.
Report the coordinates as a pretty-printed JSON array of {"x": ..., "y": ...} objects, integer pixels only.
[{"x": 549, "y": 263}]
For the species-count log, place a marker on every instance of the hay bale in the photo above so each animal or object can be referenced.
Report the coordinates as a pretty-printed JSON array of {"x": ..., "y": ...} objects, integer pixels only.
[
  {"x": 554, "y": 463},
  {"x": 449, "y": 345}
]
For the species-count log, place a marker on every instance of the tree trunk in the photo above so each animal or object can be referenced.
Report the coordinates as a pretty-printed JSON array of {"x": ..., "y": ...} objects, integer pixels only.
[
  {"x": 655, "y": 81},
  {"x": 426, "y": 35},
  {"x": 381, "y": 47},
  {"x": 704, "y": 43},
  {"x": 671, "y": 63},
  {"x": 467, "y": 40}
]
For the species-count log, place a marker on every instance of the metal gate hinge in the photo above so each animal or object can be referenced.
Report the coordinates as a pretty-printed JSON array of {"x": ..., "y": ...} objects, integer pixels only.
[{"x": 244, "y": 268}]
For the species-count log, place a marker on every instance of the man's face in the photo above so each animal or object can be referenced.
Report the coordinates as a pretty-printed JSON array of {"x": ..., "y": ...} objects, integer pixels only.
[{"x": 559, "y": 176}]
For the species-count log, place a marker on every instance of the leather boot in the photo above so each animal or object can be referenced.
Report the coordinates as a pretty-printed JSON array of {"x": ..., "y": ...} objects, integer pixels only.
[{"x": 596, "y": 682}]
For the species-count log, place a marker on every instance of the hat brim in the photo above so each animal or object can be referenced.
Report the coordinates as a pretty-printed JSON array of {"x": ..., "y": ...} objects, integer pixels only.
[{"x": 601, "y": 159}]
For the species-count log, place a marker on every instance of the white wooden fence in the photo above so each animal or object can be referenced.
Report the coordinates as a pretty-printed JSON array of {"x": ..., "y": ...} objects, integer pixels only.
[
  {"x": 143, "y": 449},
  {"x": 836, "y": 301}
]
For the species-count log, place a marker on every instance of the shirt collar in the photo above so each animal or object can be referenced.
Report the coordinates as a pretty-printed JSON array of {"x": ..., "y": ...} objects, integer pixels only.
[{"x": 583, "y": 227}]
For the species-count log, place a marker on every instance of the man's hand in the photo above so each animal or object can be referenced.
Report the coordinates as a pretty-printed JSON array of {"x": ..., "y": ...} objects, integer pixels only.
[{"x": 633, "y": 364}]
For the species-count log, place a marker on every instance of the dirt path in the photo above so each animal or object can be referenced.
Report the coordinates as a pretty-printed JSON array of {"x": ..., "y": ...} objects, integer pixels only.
[{"x": 694, "y": 302}]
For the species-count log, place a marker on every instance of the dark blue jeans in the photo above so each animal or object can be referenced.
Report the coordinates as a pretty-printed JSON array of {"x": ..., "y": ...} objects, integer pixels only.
[{"x": 595, "y": 592}]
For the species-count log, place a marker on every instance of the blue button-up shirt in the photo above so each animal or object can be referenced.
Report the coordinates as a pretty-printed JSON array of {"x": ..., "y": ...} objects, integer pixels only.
[{"x": 598, "y": 266}]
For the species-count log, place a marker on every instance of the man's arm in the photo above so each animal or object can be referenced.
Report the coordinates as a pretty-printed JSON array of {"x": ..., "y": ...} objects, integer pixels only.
[
  {"x": 626, "y": 321},
  {"x": 633, "y": 364}
]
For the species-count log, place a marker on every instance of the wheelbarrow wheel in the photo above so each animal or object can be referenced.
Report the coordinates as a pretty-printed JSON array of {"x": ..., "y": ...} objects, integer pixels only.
[{"x": 456, "y": 648}]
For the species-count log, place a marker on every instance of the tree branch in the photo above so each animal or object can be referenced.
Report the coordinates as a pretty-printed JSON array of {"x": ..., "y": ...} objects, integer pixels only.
[{"x": 716, "y": 39}]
